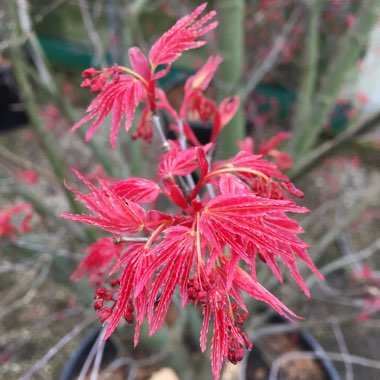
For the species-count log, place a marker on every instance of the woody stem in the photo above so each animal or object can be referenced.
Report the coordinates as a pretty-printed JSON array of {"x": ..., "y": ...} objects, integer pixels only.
[
  {"x": 182, "y": 143},
  {"x": 129, "y": 239},
  {"x": 157, "y": 126}
]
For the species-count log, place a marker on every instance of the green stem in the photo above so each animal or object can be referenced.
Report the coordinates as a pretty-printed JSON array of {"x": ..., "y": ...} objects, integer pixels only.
[
  {"x": 36, "y": 124},
  {"x": 310, "y": 70},
  {"x": 231, "y": 47},
  {"x": 65, "y": 108},
  {"x": 28, "y": 97},
  {"x": 46, "y": 79},
  {"x": 313, "y": 158},
  {"x": 351, "y": 48},
  {"x": 98, "y": 152}
]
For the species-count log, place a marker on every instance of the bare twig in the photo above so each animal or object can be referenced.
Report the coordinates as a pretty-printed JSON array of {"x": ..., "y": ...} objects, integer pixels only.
[
  {"x": 136, "y": 363},
  {"x": 165, "y": 146},
  {"x": 182, "y": 142},
  {"x": 96, "y": 348},
  {"x": 26, "y": 164},
  {"x": 35, "y": 121},
  {"x": 56, "y": 348},
  {"x": 367, "y": 197},
  {"x": 92, "y": 33},
  {"x": 353, "y": 359},
  {"x": 46, "y": 10},
  {"x": 26, "y": 28},
  {"x": 343, "y": 349},
  {"x": 344, "y": 261},
  {"x": 98, "y": 359},
  {"x": 31, "y": 293},
  {"x": 315, "y": 156},
  {"x": 40, "y": 325},
  {"x": 129, "y": 239},
  {"x": 257, "y": 73},
  {"x": 48, "y": 81}
]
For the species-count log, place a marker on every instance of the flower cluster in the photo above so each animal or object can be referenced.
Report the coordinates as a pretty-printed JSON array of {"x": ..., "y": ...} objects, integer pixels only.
[{"x": 226, "y": 219}]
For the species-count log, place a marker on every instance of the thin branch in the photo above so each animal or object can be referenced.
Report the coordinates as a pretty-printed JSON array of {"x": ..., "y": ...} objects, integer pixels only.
[
  {"x": 38, "y": 55},
  {"x": 50, "y": 84},
  {"x": 41, "y": 324},
  {"x": 343, "y": 349},
  {"x": 90, "y": 357},
  {"x": 45, "y": 11},
  {"x": 92, "y": 33},
  {"x": 367, "y": 197},
  {"x": 56, "y": 348},
  {"x": 26, "y": 164},
  {"x": 353, "y": 359},
  {"x": 150, "y": 360},
  {"x": 165, "y": 146},
  {"x": 31, "y": 107},
  {"x": 257, "y": 73},
  {"x": 182, "y": 143},
  {"x": 344, "y": 261},
  {"x": 98, "y": 359},
  {"x": 314, "y": 157},
  {"x": 129, "y": 239},
  {"x": 30, "y": 294}
]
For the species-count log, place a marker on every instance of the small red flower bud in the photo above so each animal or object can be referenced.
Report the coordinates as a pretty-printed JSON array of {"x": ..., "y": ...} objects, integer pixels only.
[
  {"x": 202, "y": 295},
  {"x": 103, "y": 293},
  {"x": 130, "y": 319},
  {"x": 98, "y": 84},
  {"x": 88, "y": 73},
  {"x": 104, "y": 314},
  {"x": 98, "y": 304},
  {"x": 99, "y": 292},
  {"x": 86, "y": 83},
  {"x": 239, "y": 354}
]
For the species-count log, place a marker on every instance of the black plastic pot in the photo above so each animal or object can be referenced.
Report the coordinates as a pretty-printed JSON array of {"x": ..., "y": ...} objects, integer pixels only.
[
  {"x": 77, "y": 359},
  {"x": 12, "y": 110},
  {"x": 256, "y": 362}
]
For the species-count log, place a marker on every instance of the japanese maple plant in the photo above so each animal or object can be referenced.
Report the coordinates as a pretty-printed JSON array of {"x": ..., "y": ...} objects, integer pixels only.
[{"x": 225, "y": 218}]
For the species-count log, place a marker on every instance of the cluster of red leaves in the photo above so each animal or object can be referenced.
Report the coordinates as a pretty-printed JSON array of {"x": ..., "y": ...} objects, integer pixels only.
[
  {"x": 10, "y": 226},
  {"x": 121, "y": 93},
  {"x": 225, "y": 220},
  {"x": 209, "y": 250}
]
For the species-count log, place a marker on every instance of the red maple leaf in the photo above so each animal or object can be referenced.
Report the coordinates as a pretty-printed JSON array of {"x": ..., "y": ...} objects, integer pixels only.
[
  {"x": 134, "y": 260},
  {"x": 98, "y": 260},
  {"x": 121, "y": 97},
  {"x": 182, "y": 36},
  {"x": 173, "y": 263},
  {"x": 138, "y": 190},
  {"x": 123, "y": 93},
  {"x": 112, "y": 212},
  {"x": 178, "y": 162}
]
